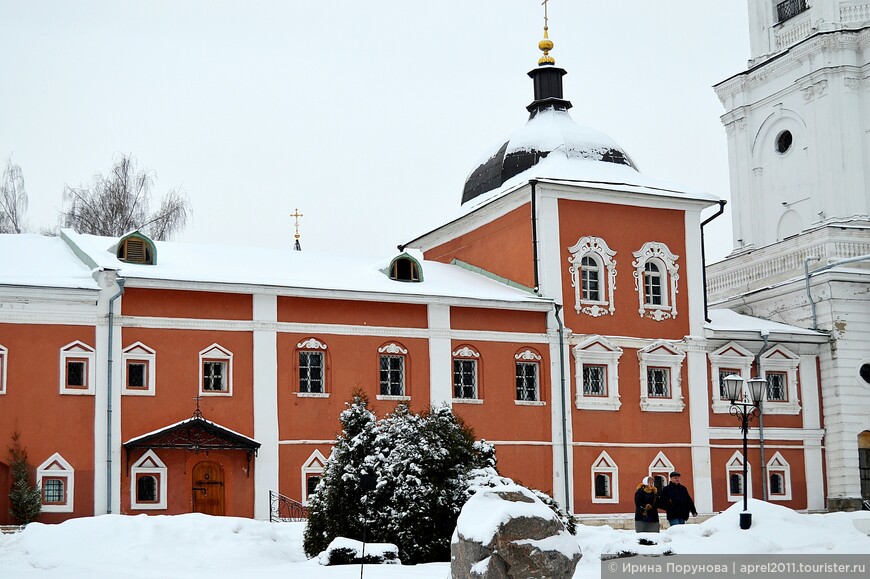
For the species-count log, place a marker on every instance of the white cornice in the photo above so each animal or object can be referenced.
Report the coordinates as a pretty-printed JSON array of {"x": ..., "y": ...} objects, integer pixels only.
[{"x": 814, "y": 435}]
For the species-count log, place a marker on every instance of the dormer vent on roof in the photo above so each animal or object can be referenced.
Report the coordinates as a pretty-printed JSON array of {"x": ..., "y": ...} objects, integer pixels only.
[
  {"x": 137, "y": 248},
  {"x": 405, "y": 268}
]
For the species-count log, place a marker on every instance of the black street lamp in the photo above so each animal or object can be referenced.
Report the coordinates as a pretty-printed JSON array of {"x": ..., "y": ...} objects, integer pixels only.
[{"x": 745, "y": 410}]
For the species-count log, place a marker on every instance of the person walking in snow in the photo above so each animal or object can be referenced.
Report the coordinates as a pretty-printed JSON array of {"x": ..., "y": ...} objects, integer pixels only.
[
  {"x": 676, "y": 501},
  {"x": 646, "y": 513}
]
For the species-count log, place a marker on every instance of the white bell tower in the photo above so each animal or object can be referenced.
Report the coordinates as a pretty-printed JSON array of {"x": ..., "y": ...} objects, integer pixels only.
[{"x": 798, "y": 120}]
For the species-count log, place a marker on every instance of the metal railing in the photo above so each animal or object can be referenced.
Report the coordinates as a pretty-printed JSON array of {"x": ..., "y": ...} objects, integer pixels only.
[
  {"x": 284, "y": 509},
  {"x": 790, "y": 8}
]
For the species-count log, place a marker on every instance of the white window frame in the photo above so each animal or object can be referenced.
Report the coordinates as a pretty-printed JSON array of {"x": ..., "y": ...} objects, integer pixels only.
[
  {"x": 4, "y": 362},
  {"x": 315, "y": 464},
  {"x": 778, "y": 464},
  {"x": 731, "y": 355},
  {"x": 311, "y": 345},
  {"x": 466, "y": 353},
  {"x": 597, "y": 351},
  {"x": 662, "y": 354},
  {"x": 216, "y": 353},
  {"x": 661, "y": 465},
  {"x": 735, "y": 465},
  {"x": 394, "y": 349},
  {"x": 604, "y": 464},
  {"x": 73, "y": 351},
  {"x": 56, "y": 466},
  {"x": 658, "y": 253},
  {"x": 151, "y": 465},
  {"x": 781, "y": 359},
  {"x": 597, "y": 249},
  {"x": 529, "y": 356},
  {"x": 139, "y": 352}
]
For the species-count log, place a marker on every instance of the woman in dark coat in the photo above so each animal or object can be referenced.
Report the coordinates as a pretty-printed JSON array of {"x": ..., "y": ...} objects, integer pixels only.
[{"x": 646, "y": 513}]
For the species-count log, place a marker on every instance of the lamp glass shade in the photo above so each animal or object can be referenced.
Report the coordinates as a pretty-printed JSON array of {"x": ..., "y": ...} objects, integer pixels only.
[
  {"x": 733, "y": 387},
  {"x": 757, "y": 389}
]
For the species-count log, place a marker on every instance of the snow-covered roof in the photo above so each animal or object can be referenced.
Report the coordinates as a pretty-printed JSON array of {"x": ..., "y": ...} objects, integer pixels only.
[
  {"x": 283, "y": 267},
  {"x": 725, "y": 320},
  {"x": 31, "y": 260}
]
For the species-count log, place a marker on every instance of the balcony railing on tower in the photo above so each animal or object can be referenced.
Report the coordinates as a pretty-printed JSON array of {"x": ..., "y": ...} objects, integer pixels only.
[{"x": 790, "y": 8}]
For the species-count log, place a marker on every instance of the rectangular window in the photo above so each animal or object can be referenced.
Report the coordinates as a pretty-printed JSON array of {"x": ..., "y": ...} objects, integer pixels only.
[
  {"x": 776, "y": 387},
  {"x": 594, "y": 380},
  {"x": 146, "y": 489},
  {"x": 786, "y": 9},
  {"x": 311, "y": 372},
  {"x": 658, "y": 382},
  {"x": 137, "y": 374},
  {"x": 214, "y": 376},
  {"x": 76, "y": 373},
  {"x": 465, "y": 379},
  {"x": 392, "y": 375},
  {"x": 735, "y": 484},
  {"x": 527, "y": 381},
  {"x": 602, "y": 486},
  {"x": 53, "y": 491}
]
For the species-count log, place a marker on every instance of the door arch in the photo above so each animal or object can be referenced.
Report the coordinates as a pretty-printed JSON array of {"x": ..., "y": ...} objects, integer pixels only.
[{"x": 207, "y": 488}]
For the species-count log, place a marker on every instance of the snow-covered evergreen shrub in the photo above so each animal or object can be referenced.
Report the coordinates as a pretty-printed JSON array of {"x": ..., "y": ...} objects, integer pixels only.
[
  {"x": 25, "y": 498},
  {"x": 422, "y": 464}
]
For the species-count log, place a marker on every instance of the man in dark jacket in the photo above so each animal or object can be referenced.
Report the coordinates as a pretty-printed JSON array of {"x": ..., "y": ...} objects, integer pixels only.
[{"x": 676, "y": 501}]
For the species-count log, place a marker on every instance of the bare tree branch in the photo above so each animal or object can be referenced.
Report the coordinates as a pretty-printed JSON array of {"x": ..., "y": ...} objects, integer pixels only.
[
  {"x": 13, "y": 199},
  {"x": 119, "y": 203}
]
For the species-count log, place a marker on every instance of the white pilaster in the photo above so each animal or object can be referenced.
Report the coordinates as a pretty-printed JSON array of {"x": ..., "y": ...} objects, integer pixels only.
[
  {"x": 265, "y": 404},
  {"x": 440, "y": 360},
  {"x": 699, "y": 423}
]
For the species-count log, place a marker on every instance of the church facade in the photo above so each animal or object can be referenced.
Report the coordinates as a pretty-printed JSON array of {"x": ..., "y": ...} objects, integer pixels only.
[{"x": 562, "y": 314}]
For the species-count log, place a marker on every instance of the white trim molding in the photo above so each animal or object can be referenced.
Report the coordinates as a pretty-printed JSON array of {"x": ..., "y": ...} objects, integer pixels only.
[
  {"x": 598, "y": 250},
  {"x": 217, "y": 353},
  {"x": 311, "y": 344},
  {"x": 597, "y": 351},
  {"x": 664, "y": 355},
  {"x": 149, "y": 464},
  {"x": 781, "y": 359},
  {"x": 4, "y": 362},
  {"x": 315, "y": 464},
  {"x": 735, "y": 465},
  {"x": 56, "y": 467},
  {"x": 661, "y": 465},
  {"x": 391, "y": 348},
  {"x": 657, "y": 253},
  {"x": 606, "y": 466},
  {"x": 78, "y": 352},
  {"x": 731, "y": 356},
  {"x": 139, "y": 352},
  {"x": 778, "y": 465}
]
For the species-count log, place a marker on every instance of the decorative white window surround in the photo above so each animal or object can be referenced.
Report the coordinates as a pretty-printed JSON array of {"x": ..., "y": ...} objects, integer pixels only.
[
  {"x": 661, "y": 465},
  {"x": 660, "y": 254},
  {"x": 311, "y": 344},
  {"x": 313, "y": 466},
  {"x": 734, "y": 356},
  {"x": 599, "y": 351},
  {"x": 466, "y": 352},
  {"x": 78, "y": 351},
  {"x": 57, "y": 467},
  {"x": 149, "y": 464},
  {"x": 139, "y": 352},
  {"x": 778, "y": 464},
  {"x": 530, "y": 356},
  {"x": 597, "y": 249},
  {"x": 605, "y": 465},
  {"x": 662, "y": 354},
  {"x": 780, "y": 359},
  {"x": 4, "y": 360},
  {"x": 394, "y": 349},
  {"x": 735, "y": 465},
  {"x": 216, "y": 353}
]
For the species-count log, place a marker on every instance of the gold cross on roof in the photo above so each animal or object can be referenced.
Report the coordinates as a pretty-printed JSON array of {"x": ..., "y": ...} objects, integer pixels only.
[{"x": 297, "y": 215}]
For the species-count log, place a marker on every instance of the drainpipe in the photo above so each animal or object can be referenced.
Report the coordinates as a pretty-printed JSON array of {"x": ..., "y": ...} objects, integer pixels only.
[
  {"x": 722, "y": 203},
  {"x": 807, "y": 275},
  {"x": 563, "y": 405},
  {"x": 120, "y": 281},
  {"x": 535, "y": 259}
]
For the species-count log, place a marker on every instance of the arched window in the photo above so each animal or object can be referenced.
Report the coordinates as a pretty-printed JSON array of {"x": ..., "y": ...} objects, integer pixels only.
[
  {"x": 392, "y": 368},
  {"x": 405, "y": 268},
  {"x": 652, "y": 285},
  {"x": 528, "y": 376},
  {"x": 311, "y": 366},
  {"x": 735, "y": 484},
  {"x": 466, "y": 385},
  {"x": 605, "y": 479},
  {"x": 590, "y": 282},
  {"x": 602, "y": 486},
  {"x": 137, "y": 248},
  {"x": 777, "y": 484},
  {"x": 656, "y": 280},
  {"x": 593, "y": 276}
]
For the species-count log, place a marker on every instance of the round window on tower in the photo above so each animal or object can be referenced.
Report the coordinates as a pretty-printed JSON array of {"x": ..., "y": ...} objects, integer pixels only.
[
  {"x": 864, "y": 372},
  {"x": 783, "y": 142}
]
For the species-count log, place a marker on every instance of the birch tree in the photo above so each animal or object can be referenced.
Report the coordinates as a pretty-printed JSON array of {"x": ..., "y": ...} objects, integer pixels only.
[{"x": 13, "y": 199}]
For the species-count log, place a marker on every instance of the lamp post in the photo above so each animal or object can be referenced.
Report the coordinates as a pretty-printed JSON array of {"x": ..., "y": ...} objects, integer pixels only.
[{"x": 745, "y": 410}]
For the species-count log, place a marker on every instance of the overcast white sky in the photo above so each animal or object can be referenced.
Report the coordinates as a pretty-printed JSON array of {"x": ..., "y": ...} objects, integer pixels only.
[{"x": 367, "y": 116}]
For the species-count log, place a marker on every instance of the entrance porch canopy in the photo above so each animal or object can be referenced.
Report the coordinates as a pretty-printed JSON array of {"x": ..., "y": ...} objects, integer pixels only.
[{"x": 196, "y": 434}]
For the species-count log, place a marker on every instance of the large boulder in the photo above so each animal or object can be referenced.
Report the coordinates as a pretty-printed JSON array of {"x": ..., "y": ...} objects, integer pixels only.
[{"x": 508, "y": 533}]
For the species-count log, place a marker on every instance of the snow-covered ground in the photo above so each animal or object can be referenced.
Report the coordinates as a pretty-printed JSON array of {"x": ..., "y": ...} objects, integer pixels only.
[{"x": 188, "y": 546}]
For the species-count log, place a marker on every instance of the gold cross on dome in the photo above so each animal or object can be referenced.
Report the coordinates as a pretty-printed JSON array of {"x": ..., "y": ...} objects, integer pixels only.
[
  {"x": 297, "y": 215},
  {"x": 544, "y": 4}
]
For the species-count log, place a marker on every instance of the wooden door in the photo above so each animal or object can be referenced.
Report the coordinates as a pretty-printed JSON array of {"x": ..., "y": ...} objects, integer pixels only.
[{"x": 208, "y": 488}]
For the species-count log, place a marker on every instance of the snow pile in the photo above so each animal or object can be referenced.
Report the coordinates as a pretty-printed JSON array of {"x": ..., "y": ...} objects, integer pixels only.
[
  {"x": 343, "y": 551},
  {"x": 485, "y": 512}
]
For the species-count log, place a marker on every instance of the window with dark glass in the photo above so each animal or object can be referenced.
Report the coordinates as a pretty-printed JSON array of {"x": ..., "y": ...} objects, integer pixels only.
[
  {"x": 53, "y": 491},
  {"x": 465, "y": 378},
  {"x": 652, "y": 284},
  {"x": 392, "y": 375},
  {"x": 214, "y": 376},
  {"x": 311, "y": 485},
  {"x": 786, "y": 9},
  {"x": 777, "y": 484},
  {"x": 76, "y": 372},
  {"x": 136, "y": 374},
  {"x": 311, "y": 372},
  {"x": 776, "y": 387},
  {"x": 735, "y": 483},
  {"x": 527, "y": 381},
  {"x": 724, "y": 373},
  {"x": 591, "y": 280},
  {"x": 146, "y": 489},
  {"x": 658, "y": 382},
  {"x": 602, "y": 486},
  {"x": 594, "y": 380}
]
